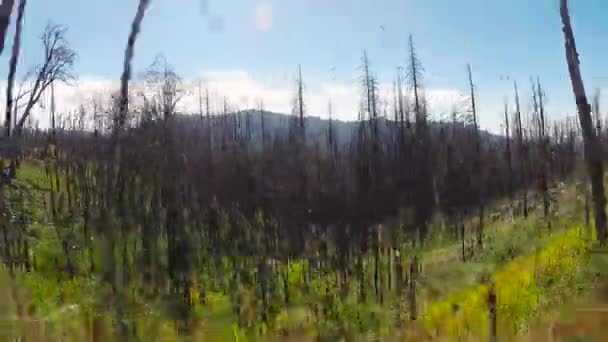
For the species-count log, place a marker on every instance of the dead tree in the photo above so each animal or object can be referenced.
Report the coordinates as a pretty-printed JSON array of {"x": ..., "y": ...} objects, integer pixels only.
[
  {"x": 522, "y": 153},
  {"x": 591, "y": 143},
  {"x": 126, "y": 73},
  {"x": 164, "y": 85},
  {"x": 401, "y": 105},
  {"x": 395, "y": 131},
  {"x": 57, "y": 66},
  {"x": 508, "y": 155},
  {"x": 262, "y": 126},
  {"x": 12, "y": 67},
  {"x": 118, "y": 178},
  {"x": 596, "y": 113},
  {"x": 370, "y": 87},
  {"x": 414, "y": 74},
  {"x": 298, "y": 129},
  {"x": 424, "y": 205},
  {"x": 331, "y": 136},
  {"x": 544, "y": 153},
  {"x": 6, "y": 8},
  {"x": 477, "y": 162},
  {"x": 200, "y": 101},
  {"x": 300, "y": 100},
  {"x": 208, "y": 115}
]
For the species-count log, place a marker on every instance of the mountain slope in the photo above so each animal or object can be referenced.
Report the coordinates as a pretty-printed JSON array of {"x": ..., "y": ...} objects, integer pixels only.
[{"x": 278, "y": 125}]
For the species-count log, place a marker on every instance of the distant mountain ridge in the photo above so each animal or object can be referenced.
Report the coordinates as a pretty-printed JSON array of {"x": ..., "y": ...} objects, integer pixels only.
[{"x": 278, "y": 124}]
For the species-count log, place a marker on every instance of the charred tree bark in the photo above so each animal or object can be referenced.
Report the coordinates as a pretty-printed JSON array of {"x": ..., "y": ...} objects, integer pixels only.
[
  {"x": 12, "y": 69},
  {"x": 544, "y": 177},
  {"x": 414, "y": 270},
  {"x": 414, "y": 76},
  {"x": 522, "y": 154},
  {"x": 126, "y": 73},
  {"x": 508, "y": 156},
  {"x": 262, "y": 128},
  {"x": 300, "y": 103},
  {"x": 6, "y": 8},
  {"x": 592, "y": 146},
  {"x": 478, "y": 172}
]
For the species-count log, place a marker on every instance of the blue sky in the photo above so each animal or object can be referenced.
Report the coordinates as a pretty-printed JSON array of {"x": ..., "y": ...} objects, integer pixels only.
[{"x": 259, "y": 43}]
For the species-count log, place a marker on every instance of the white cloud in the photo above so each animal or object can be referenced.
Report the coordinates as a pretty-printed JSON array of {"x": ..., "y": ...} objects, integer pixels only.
[
  {"x": 263, "y": 17},
  {"x": 242, "y": 90},
  {"x": 67, "y": 97}
]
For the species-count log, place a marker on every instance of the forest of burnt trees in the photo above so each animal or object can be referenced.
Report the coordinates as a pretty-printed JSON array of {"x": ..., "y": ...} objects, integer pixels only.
[{"x": 163, "y": 202}]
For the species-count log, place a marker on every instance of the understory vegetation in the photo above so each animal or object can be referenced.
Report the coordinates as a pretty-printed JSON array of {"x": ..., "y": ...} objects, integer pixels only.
[{"x": 58, "y": 292}]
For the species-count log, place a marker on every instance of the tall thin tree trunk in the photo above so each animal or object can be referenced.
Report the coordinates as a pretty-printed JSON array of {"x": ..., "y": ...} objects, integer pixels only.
[
  {"x": 522, "y": 153},
  {"x": 544, "y": 180},
  {"x": 200, "y": 101},
  {"x": 414, "y": 71},
  {"x": 477, "y": 163},
  {"x": 12, "y": 68},
  {"x": 413, "y": 307},
  {"x": 508, "y": 156},
  {"x": 6, "y": 8},
  {"x": 300, "y": 100},
  {"x": 462, "y": 239},
  {"x": 592, "y": 147},
  {"x": 126, "y": 73},
  {"x": 263, "y": 128},
  {"x": 208, "y": 115}
]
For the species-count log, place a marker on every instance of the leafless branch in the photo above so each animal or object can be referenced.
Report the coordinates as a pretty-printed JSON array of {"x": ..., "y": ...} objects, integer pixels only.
[{"x": 57, "y": 66}]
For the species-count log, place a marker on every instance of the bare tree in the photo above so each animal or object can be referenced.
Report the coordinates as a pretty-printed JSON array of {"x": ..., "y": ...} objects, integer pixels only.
[
  {"x": 300, "y": 99},
  {"x": 331, "y": 134},
  {"x": 164, "y": 85},
  {"x": 477, "y": 162},
  {"x": 6, "y": 8},
  {"x": 414, "y": 74},
  {"x": 508, "y": 154},
  {"x": 544, "y": 153},
  {"x": 370, "y": 99},
  {"x": 592, "y": 146},
  {"x": 299, "y": 107},
  {"x": 126, "y": 73},
  {"x": 12, "y": 68},
  {"x": 262, "y": 126},
  {"x": 596, "y": 112},
  {"x": 57, "y": 66},
  {"x": 208, "y": 115},
  {"x": 521, "y": 151},
  {"x": 200, "y": 101}
]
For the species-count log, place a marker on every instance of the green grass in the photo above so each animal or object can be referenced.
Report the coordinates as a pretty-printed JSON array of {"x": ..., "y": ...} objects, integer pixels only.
[
  {"x": 33, "y": 173},
  {"x": 69, "y": 306}
]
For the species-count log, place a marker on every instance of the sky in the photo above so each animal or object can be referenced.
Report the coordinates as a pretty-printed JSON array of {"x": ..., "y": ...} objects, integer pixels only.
[{"x": 249, "y": 50}]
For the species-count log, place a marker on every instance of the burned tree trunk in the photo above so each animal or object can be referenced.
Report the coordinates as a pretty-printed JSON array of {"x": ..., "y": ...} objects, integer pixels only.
[
  {"x": 544, "y": 154},
  {"x": 300, "y": 103},
  {"x": 592, "y": 147},
  {"x": 6, "y": 8},
  {"x": 522, "y": 153},
  {"x": 477, "y": 162},
  {"x": 126, "y": 73},
  {"x": 508, "y": 156},
  {"x": 13, "y": 67}
]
